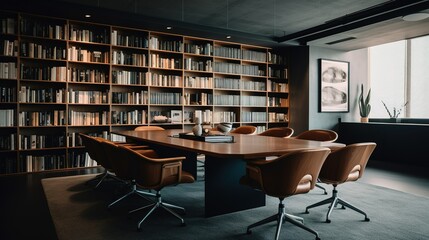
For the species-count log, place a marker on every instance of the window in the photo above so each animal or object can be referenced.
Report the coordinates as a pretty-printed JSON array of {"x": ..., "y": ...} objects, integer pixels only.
[{"x": 399, "y": 74}]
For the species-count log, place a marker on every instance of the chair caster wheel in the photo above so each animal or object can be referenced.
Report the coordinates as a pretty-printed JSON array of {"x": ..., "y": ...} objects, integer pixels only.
[
  {"x": 343, "y": 207},
  {"x": 317, "y": 238},
  {"x": 139, "y": 229},
  {"x": 367, "y": 219},
  {"x": 183, "y": 224},
  {"x": 306, "y": 211},
  {"x": 326, "y": 193},
  {"x": 249, "y": 231},
  {"x": 328, "y": 220}
]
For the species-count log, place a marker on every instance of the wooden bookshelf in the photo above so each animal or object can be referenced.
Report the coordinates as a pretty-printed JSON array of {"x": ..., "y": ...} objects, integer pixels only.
[{"x": 60, "y": 77}]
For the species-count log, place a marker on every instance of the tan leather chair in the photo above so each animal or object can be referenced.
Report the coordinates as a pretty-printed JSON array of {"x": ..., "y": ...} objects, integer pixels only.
[
  {"x": 288, "y": 175},
  {"x": 148, "y": 128},
  {"x": 344, "y": 165},
  {"x": 96, "y": 153},
  {"x": 282, "y": 132},
  {"x": 322, "y": 135},
  {"x": 122, "y": 167},
  {"x": 153, "y": 172},
  {"x": 250, "y": 130}
]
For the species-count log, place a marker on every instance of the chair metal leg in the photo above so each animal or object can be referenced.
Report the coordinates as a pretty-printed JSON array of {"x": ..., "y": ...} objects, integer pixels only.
[
  {"x": 159, "y": 204},
  {"x": 282, "y": 217},
  {"x": 324, "y": 189},
  {"x": 333, "y": 201},
  {"x": 133, "y": 190}
]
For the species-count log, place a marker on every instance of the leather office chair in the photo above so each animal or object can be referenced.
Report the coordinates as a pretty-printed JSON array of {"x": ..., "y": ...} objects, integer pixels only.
[
  {"x": 122, "y": 167},
  {"x": 153, "y": 172},
  {"x": 282, "y": 132},
  {"x": 322, "y": 135},
  {"x": 288, "y": 175},
  {"x": 96, "y": 153},
  {"x": 344, "y": 165},
  {"x": 148, "y": 128},
  {"x": 250, "y": 130}
]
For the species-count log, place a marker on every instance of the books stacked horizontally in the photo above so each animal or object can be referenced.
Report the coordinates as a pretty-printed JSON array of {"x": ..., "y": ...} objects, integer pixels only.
[{"x": 212, "y": 138}]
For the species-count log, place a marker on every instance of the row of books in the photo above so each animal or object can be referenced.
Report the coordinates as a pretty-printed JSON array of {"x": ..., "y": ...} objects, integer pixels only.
[
  {"x": 224, "y": 116},
  {"x": 253, "y": 85},
  {"x": 7, "y": 117},
  {"x": 198, "y": 82},
  {"x": 133, "y": 59},
  {"x": 129, "y": 117},
  {"x": 9, "y": 48},
  {"x": 249, "y": 101},
  {"x": 278, "y": 102},
  {"x": 199, "y": 49},
  {"x": 8, "y": 26},
  {"x": 83, "y": 55},
  {"x": 277, "y": 117},
  {"x": 31, "y": 27},
  {"x": 8, "y": 70},
  {"x": 82, "y": 118},
  {"x": 129, "y": 40},
  {"x": 227, "y": 83},
  {"x": 88, "y": 97},
  {"x": 50, "y": 95},
  {"x": 7, "y": 142},
  {"x": 163, "y": 80},
  {"x": 277, "y": 87},
  {"x": 198, "y": 99},
  {"x": 87, "y": 75},
  {"x": 7, "y": 94},
  {"x": 158, "y": 61},
  {"x": 35, "y": 163},
  {"x": 165, "y": 98},
  {"x": 130, "y": 97},
  {"x": 231, "y": 100},
  {"x": 277, "y": 73},
  {"x": 48, "y": 73},
  {"x": 167, "y": 45},
  {"x": 42, "y": 51},
  {"x": 42, "y": 118},
  {"x": 35, "y": 141},
  {"x": 130, "y": 77},
  {"x": 198, "y": 65},
  {"x": 78, "y": 33},
  {"x": 253, "y": 116},
  {"x": 74, "y": 140},
  {"x": 254, "y": 55}
]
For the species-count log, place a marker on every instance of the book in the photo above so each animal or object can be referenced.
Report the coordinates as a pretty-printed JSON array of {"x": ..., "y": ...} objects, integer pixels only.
[{"x": 217, "y": 138}]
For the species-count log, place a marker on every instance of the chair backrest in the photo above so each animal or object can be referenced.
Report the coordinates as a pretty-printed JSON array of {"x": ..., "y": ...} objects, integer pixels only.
[
  {"x": 292, "y": 173},
  {"x": 152, "y": 172},
  {"x": 347, "y": 163},
  {"x": 323, "y": 135},
  {"x": 282, "y": 132},
  {"x": 245, "y": 130},
  {"x": 148, "y": 128},
  {"x": 120, "y": 164},
  {"x": 91, "y": 147}
]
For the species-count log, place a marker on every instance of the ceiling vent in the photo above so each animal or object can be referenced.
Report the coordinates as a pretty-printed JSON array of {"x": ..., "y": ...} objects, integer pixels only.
[{"x": 340, "y": 40}]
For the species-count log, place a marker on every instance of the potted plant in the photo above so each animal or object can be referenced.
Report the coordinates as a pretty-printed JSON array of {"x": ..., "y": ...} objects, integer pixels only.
[{"x": 364, "y": 106}]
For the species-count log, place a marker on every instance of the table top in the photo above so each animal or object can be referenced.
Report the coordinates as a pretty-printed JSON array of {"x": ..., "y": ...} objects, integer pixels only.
[{"x": 244, "y": 146}]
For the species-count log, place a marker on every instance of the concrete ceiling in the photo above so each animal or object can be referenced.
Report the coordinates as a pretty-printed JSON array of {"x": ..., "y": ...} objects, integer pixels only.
[{"x": 306, "y": 22}]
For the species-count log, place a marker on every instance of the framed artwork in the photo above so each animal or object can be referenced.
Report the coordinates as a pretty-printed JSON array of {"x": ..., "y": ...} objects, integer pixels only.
[
  {"x": 176, "y": 116},
  {"x": 334, "y": 86}
]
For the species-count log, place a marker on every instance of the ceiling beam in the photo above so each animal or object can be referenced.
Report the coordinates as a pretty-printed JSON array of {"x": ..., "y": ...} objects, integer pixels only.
[{"x": 368, "y": 16}]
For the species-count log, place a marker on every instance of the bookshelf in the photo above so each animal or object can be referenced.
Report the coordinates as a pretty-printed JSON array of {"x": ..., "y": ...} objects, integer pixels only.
[{"x": 60, "y": 77}]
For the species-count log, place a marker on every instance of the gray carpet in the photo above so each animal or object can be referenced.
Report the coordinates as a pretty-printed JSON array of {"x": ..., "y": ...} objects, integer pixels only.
[{"x": 79, "y": 212}]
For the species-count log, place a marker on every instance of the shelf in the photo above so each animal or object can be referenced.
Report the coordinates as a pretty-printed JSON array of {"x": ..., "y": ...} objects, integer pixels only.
[{"x": 118, "y": 66}]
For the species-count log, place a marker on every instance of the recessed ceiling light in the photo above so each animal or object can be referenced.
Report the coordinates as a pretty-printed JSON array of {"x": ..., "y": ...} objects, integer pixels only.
[
  {"x": 415, "y": 17},
  {"x": 228, "y": 37},
  {"x": 87, "y": 15},
  {"x": 169, "y": 27}
]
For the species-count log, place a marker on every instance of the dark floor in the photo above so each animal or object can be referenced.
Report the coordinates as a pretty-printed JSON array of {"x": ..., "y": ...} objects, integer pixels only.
[{"x": 25, "y": 214}]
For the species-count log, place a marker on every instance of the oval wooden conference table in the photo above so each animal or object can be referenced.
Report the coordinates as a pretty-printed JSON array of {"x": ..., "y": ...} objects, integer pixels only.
[{"x": 224, "y": 164}]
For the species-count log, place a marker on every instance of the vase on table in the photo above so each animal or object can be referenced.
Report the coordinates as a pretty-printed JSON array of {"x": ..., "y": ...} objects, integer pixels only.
[{"x": 197, "y": 129}]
